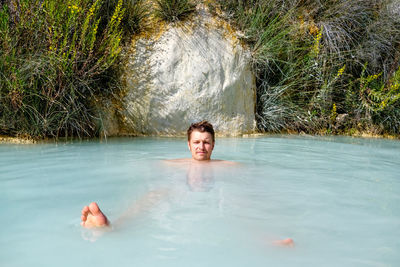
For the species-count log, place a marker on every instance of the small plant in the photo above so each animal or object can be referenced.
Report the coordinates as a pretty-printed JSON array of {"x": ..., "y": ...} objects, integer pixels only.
[
  {"x": 174, "y": 10},
  {"x": 136, "y": 11},
  {"x": 133, "y": 19},
  {"x": 376, "y": 95}
]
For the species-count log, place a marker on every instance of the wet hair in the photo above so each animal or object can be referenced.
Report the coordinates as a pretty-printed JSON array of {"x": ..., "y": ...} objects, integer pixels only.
[{"x": 202, "y": 126}]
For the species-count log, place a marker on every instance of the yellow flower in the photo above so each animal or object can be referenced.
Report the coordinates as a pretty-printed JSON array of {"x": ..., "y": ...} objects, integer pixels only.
[
  {"x": 374, "y": 77},
  {"x": 74, "y": 9},
  {"x": 317, "y": 39},
  {"x": 333, "y": 112},
  {"x": 116, "y": 12},
  {"x": 341, "y": 71},
  {"x": 395, "y": 86}
]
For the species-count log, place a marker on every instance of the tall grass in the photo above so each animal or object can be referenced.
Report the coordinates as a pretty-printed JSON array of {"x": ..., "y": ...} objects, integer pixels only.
[
  {"x": 322, "y": 66},
  {"x": 55, "y": 58}
]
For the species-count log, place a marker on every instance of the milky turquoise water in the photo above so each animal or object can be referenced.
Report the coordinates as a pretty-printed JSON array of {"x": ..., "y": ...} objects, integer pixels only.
[{"x": 337, "y": 197}]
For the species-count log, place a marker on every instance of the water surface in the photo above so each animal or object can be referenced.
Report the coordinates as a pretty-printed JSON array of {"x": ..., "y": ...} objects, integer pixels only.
[{"x": 337, "y": 197}]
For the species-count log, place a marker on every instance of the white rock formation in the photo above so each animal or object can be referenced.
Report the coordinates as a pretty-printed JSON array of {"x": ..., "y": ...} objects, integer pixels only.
[{"x": 185, "y": 73}]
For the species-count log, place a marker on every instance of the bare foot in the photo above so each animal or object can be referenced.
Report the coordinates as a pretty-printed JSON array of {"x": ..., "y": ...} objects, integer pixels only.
[
  {"x": 288, "y": 242},
  {"x": 93, "y": 217}
]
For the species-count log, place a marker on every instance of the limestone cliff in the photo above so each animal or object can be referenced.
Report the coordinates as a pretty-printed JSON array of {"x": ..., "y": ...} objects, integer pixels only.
[{"x": 180, "y": 73}]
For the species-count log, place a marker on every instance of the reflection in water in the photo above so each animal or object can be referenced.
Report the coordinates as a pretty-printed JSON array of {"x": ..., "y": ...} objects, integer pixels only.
[{"x": 200, "y": 177}]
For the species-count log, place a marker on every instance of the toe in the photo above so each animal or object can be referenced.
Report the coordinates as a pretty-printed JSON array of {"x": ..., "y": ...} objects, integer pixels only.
[
  {"x": 85, "y": 210},
  {"x": 94, "y": 208}
]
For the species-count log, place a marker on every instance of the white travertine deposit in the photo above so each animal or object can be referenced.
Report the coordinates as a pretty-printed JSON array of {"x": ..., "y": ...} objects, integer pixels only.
[{"x": 186, "y": 72}]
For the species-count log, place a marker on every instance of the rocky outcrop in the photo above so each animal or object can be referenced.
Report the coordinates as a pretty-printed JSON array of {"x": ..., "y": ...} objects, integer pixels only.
[{"x": 186, "y": 72}]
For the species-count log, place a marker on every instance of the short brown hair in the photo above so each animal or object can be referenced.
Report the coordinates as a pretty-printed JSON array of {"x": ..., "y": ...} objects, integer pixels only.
[{"x": 202, "y": 126}]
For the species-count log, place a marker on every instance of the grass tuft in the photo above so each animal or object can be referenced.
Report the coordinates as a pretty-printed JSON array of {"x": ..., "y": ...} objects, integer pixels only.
[{"x": 174, "y": 10}]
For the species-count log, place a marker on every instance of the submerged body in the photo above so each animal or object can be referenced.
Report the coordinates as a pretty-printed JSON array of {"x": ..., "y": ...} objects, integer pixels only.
[{"x": 199, "y": 171}]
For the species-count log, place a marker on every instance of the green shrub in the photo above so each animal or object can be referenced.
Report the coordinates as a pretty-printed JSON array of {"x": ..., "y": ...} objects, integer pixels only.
[
  {"x": 309, "y": 58},
  {"x": 54, "y": 59},
  {"x": 380, "y": 100}
]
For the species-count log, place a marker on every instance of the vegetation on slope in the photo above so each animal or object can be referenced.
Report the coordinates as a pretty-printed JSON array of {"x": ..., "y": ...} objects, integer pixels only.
[
  {"x": 56, "y": 57},
  {"x": 321, "y": 66}
]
